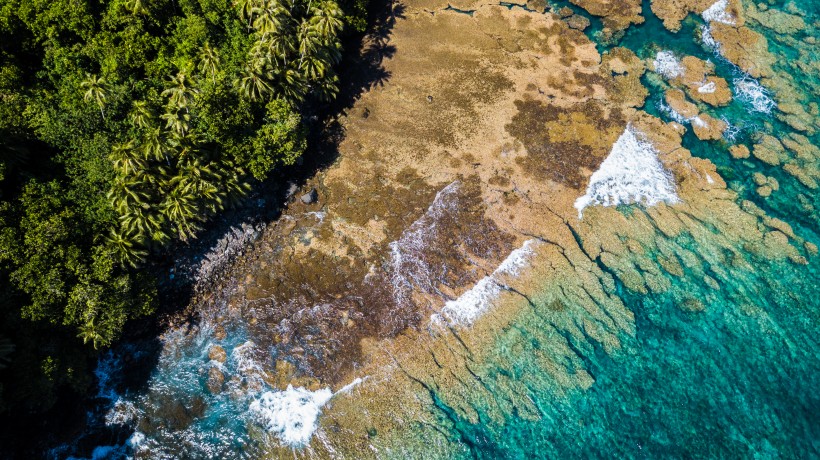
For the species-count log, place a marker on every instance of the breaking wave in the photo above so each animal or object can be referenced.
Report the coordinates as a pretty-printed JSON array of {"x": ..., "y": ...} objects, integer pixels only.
[
  {"x": 292, "y": 415},
  {"x": 630, "y": 174},
  {"x": 472, "y": 304},
  {"x": 407, "y": 265},
  {"x": 749, "y": 90},
  {"x": 717, "y": 13},
  {"x": 667, "y": 65}
]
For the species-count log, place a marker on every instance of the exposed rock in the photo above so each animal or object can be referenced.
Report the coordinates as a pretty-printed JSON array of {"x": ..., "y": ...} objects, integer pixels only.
[
  {"x": 219, "y": 332},
  {"x": 622, "y": 70},
  {"x": 769, "y": 150},
  {"x": 538, "y": 5},
  {"x": 677, "y": 102},
  {"x": 701, "y": 84},
  {"x": 708, "y": 128},
  {"x": 218, "y": 354},
  {"x": 744, "y": 47},
  {"x": 310, "y": 197},
  {"x": 617, "y": 15},
  {"x": 672, "y": 12},
  {"x": 767, "y": 185},
  {"x": 739, "y": 151}
]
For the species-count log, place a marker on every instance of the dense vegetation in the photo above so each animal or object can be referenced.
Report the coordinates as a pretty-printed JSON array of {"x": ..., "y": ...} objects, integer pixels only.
[{"x": 124, "y": 126}]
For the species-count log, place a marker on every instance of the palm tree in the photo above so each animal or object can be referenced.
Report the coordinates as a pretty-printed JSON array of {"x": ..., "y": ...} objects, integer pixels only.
[
  {"x": 95, "y": 90},
  {"x": 327, "y": 19},
  {"x": 141, "y": 114},
  {"x": 125, "y": 160},
  {"x": 232, "y": 185},
  {"x": 205, "y": 178},
  {"x": 280, "y": 45},
  {"x": 328, "y": 87},
  {"x": 252, "y": 83},
  {"x": 123, "y": 244},
  {"x": 292, "y": 84},
  {"x": 308, "y": 39},
  {"x": 314, "y": 67},
  {"x": 154, "y": 145},
  {"x": 265, "y": 22},
  {"x": 125, "y": 194},
  {"x": 140, "y": 223},
  {"x": 209, "y": 61},
  {"x": 182, "y": 90},
  {"x": 179, "y": 206},
  {"x": 136, "y": 7},
  {"x": 177, "y": 119},
  {"x": 89, "y": 333},
  {"x": 246, "y": 9}
]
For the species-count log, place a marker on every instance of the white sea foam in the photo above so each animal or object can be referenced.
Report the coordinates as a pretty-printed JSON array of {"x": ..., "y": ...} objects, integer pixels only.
[
  {"x": 408, "y": 268},
  {"x": 707, "y": 88},
  {"x": 122, "y": 412},
  {"x": 751, "y": 91},
  {"x": 350, "y": 385},
  {"x": 673, "y": 114},
  {"x": 631, "y": 173},
  {"x": 472, "y": 304},
  {"x": 667, "y": 65},
  {"x": 136, "y": 440},
  {"x": 717, "y": 13},
  {"x": 698, "y": 121},
  {"x": 708, "y": 40},
  {"x": 731, "y": 131},
  {"x": 292, "y": 414}
]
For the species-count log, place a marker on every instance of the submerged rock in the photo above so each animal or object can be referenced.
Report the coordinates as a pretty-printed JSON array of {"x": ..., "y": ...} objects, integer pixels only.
[
  {"x": 576, "y": 21},
  {"x": 216, "y": 379}
]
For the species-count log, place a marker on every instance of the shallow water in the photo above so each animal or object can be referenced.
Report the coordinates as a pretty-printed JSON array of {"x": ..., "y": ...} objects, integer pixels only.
[{"x": 724, "y": 362}]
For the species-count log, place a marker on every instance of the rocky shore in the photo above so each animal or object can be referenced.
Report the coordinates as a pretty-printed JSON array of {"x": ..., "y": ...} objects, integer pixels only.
[{"x": 452, "y": 212}]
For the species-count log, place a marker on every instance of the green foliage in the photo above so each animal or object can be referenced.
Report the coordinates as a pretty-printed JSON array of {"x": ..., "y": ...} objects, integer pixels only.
[
  {"x": 68, "y": 280},
  {"x": 125, "y": 125},
  {"x": 281, "y": 132}
]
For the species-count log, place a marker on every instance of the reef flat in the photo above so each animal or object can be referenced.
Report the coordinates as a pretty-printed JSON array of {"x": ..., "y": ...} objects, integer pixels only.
[{"x": 535, "y": 240}]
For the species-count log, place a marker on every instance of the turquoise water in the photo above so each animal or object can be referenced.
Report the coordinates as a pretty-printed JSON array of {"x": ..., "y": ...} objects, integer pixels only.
[
  {"x": 736, "y": 380},
  {"x": 722, "y": 383},
  {"x": 735, "y": 377}
]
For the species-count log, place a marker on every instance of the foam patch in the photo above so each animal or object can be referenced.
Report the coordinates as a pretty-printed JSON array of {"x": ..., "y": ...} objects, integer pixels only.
[{"x": 630, "y": 174}]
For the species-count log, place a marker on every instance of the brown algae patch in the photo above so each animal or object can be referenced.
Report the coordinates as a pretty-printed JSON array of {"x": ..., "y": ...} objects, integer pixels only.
[{"x": 560, "y": 141}]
